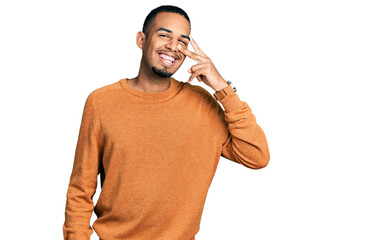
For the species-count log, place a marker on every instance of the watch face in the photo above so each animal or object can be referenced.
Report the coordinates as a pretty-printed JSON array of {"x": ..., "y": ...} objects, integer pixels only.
[{"x": 230, "y": 83}]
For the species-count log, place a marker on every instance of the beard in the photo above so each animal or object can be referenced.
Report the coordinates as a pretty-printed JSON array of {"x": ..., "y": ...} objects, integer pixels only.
[{"x": 161, "y": 72}]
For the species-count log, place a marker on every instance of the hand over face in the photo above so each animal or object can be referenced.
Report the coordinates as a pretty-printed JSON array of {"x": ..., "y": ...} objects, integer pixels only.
[{"x": 204, "y": 70}]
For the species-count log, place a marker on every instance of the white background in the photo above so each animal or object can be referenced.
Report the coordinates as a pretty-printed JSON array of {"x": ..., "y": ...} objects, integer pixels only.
[{"x": 300, "y": 65}]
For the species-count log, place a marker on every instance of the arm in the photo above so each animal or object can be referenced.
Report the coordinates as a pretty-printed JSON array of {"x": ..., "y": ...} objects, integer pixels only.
[
  {"x": 244, "y": 141},
  {"x": 83, "y": 179}
]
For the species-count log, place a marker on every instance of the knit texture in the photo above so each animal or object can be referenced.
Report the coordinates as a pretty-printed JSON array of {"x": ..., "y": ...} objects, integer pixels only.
[{"x": 156, "y": 155}]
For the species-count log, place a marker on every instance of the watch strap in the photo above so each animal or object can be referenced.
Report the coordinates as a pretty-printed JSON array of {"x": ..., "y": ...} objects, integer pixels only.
[{"x": 219, "y": 95}]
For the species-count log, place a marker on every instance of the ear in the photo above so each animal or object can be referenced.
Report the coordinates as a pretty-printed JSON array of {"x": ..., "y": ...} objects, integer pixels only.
[{"x": 140, "y": 39}]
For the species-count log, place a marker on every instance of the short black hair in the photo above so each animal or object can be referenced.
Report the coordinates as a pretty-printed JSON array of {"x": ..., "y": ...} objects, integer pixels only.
[{"x": 164, "y": 8}]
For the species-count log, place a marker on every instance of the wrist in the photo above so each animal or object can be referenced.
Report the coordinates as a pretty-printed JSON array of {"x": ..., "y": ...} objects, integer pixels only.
[{"x": 220, "y": 86}]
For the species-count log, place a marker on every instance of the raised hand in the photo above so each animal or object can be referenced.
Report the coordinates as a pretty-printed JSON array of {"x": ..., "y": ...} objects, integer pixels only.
[{"x": 204, "y": 70}]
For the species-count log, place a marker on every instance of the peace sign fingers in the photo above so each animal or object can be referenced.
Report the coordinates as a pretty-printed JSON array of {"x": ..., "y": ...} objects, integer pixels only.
[
  {"x": 196, "y": 47},
  {"x": 191, "y": 54}
]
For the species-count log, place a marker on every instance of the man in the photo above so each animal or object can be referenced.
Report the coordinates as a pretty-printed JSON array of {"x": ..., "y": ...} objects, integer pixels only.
[{"x": 156, "y": 142}]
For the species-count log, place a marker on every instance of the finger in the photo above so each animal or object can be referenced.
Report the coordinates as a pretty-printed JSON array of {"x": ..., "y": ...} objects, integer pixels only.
[
  {"x": 191, "y": 54},
  {"x": 196, "y": 67},
  {"x": 196, "y": 47},
  {"x": 196, "y": 74}
]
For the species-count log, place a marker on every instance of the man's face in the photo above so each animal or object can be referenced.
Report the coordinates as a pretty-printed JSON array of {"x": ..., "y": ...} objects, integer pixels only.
[{"x": 160, "y": 52}]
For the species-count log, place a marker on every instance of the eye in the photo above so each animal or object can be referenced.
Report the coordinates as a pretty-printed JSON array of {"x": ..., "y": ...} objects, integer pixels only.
[
  {"x": 183, "y": 42},
  {"x": 163, "y": 35}
]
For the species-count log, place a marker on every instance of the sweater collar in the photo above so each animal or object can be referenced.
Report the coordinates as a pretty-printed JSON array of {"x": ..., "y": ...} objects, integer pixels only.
[{"x": 149, "y": 96}]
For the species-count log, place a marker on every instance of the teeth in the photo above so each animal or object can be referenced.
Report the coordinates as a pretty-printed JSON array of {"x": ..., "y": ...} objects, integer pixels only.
[{"x": 167, "y": 57}]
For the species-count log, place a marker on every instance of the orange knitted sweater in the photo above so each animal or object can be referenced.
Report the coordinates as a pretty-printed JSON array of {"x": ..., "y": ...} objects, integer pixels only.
[{"x": 156, "y": 154}]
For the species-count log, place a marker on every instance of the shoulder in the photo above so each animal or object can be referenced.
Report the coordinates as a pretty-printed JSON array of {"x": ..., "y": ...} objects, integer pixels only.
[
  {"x": 205, "y": 97},
  {"x": 100, "y": 94},
  {"x": 202, "y": 93}
]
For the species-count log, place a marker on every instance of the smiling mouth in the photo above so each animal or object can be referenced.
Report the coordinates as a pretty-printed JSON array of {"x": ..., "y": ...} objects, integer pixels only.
[{"x": 167, "y": 60}]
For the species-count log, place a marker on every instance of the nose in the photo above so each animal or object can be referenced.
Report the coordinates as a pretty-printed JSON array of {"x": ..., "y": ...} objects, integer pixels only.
[{"x": 172, "y": 45}]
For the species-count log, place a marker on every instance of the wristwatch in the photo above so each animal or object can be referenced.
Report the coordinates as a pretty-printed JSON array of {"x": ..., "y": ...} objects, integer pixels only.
[{"x": 219, "y": 95}]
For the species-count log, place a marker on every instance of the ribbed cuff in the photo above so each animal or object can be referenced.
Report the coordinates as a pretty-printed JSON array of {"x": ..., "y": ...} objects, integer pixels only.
[{"x": 231, "y": 102}]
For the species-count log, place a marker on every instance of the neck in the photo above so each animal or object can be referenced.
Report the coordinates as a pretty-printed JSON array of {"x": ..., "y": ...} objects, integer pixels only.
[{"x": 148, "y": 81}]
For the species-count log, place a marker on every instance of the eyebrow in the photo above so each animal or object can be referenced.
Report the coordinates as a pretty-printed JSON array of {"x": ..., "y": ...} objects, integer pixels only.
[{"x": 170, "y": 31}]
